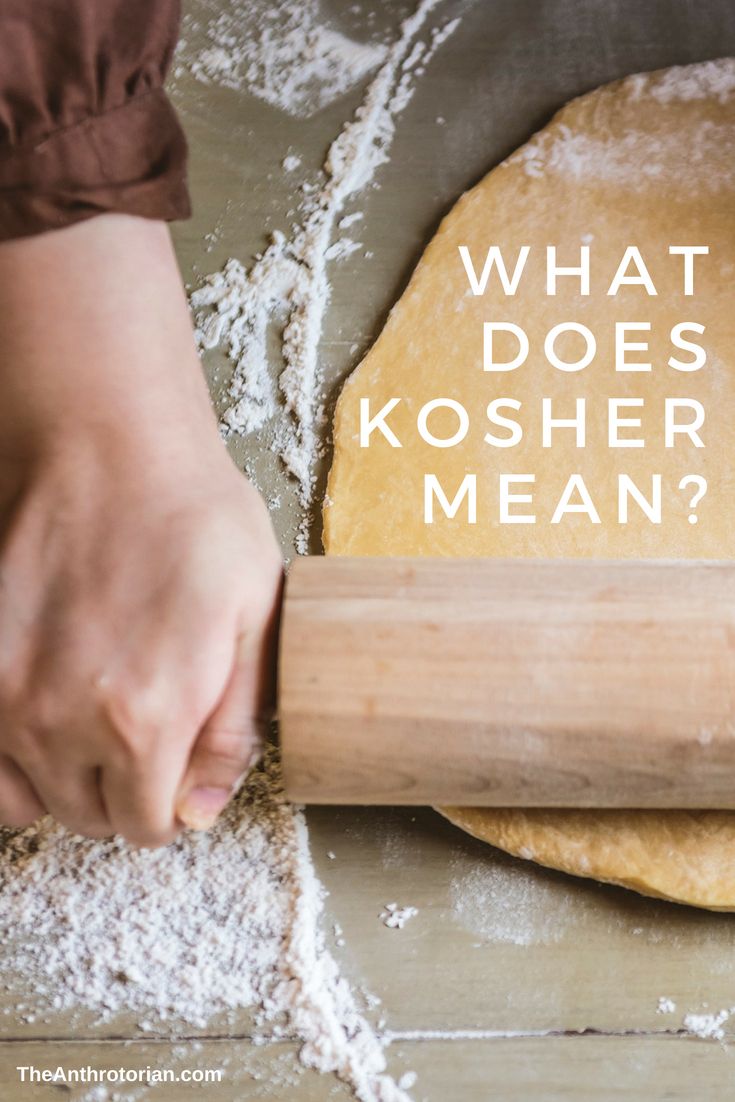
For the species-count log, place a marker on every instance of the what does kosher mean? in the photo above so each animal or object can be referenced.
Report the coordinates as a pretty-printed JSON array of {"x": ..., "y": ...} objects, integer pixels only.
[{"x": 569, "y": 348}]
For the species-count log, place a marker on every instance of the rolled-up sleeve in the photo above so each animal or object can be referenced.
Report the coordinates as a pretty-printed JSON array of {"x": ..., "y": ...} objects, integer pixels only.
[{"x": 85, "y": 124}]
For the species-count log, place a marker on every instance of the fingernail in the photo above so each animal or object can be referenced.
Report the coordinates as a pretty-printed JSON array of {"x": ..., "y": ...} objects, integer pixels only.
[{"x": 201, "y": 807}]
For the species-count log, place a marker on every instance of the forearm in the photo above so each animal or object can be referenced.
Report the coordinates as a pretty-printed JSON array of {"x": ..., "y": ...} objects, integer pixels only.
[
  {"x": 97, "y": 317},
  {"x": 93, "y": 326}
]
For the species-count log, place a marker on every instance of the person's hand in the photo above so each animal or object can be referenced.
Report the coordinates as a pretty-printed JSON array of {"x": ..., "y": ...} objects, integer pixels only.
[{"x": 139, "y": 575}]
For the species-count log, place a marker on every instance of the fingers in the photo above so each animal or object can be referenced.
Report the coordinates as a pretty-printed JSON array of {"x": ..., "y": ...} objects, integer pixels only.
[
  {"x": 140, "y": 779},
  {"x": 140, "y": 769},
  {"x": 231, "y": 740},
  {"x": 153, "y": 718},
  {"x": 73, "y": 797},
  {"x": 139, "y": 799},
  {"x": 220, "y": 760},
  {"x": 139, "y": 730},
  {"x": 19, "y": 803},
  {"x": 94, "y": 779}
]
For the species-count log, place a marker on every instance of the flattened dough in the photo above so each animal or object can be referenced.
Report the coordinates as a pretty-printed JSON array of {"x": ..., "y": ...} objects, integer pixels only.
[
  {"x": 648, "y": 161},
  {"x": 684, "y": 856}
]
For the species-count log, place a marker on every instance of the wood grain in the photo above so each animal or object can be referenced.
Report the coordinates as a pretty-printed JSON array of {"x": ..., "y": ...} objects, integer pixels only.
[
  {"x": 503, "y": 1069},
  {"x": 505, "y": 683}
]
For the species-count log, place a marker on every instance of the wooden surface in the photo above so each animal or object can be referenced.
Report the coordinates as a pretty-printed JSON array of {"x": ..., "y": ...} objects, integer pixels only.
[
  {"x": 508, "y": 683},
  {"x": 498, "y": 946},
  {"x": 573, "y": 970},
  {"x": 560, "y": 1069}
]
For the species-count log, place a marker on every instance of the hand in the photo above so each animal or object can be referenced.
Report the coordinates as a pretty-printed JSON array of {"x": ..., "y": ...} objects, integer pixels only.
[{"x": 139, "y": 575}]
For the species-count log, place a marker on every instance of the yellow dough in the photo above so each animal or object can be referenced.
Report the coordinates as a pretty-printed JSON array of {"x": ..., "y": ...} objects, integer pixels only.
[
  {"x": 650, "y": 162},
  {"x": 684, "y": 856}
]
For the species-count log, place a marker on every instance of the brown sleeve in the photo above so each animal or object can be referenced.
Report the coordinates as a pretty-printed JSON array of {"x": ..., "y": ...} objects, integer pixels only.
[{"x": 85, "y": 126}]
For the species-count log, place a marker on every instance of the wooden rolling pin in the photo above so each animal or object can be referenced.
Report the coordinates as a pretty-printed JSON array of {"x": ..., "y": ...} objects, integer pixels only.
[{"x": 570, "y": 683}]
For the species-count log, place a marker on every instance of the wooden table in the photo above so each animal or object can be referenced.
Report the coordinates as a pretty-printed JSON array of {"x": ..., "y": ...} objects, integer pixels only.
[{"x": 511, "y": 982}]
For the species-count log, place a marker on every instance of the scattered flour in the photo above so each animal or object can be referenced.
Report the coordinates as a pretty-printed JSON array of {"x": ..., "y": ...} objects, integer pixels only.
[
  {"x": 282, "y": 51},
  {"x": 342, "y": 248},
  {"x": 502, "y": 901},
  {"x": 395, "y": 917},
  {"x": 665, "y": 1005},
  {"x": 291, "y": 163},
  {"x": 637, "y": 159},
  {"x": 684, "y": 83},
  {"x": 214, "y": 923},
  {"x": 390, "y": 1036},
  {"x": 338, "y": 932},
  {"x": 707, "y": 1026},
  {"x": 288, "y": 283},
  {"x": 350, "y": 219}
]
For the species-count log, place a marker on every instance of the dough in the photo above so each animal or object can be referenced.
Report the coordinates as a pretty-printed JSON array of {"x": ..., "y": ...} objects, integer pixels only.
[
  {"x": 648, "y": 161},
  {"x": 684, "y": 856}
]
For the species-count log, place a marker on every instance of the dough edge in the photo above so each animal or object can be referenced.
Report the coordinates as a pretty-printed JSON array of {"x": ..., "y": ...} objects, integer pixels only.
[{"x": 616, "y": 849}]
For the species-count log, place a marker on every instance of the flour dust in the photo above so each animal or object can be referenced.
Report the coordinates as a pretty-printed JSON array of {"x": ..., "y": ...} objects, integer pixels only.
[
  {"x": 213, "y": 924},
  {"x": 286, "y": 53},
  {"x": 289, "y": 285}
]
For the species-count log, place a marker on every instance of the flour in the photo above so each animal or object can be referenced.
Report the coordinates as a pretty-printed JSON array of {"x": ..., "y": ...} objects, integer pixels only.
[
  {"x": 685, "y": 83},
  {"x": 215, "y": 923},
  {"x": 665, "y": 1005},
  {"x": 501, "y": 901},
  {"x": 707, "y": 1026},
  {"x": 283, "y": 52},
  {"x": 395, "y": 917},
  {"x": 391, "y": 1036},
  {"x": 342, "y": 248},
  {"x": 289, "y": 284},
  {"x": 636, "y": 160},
  {"x": 350, "y": 219}
]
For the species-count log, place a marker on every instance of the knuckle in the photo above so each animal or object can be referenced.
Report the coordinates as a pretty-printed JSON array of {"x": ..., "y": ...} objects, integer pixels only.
[
  {"x": 44, "y": 710},
  {"x": 137, "y": 717}
]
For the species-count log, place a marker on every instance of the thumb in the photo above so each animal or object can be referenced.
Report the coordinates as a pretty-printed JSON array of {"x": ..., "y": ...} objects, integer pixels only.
[{"x": 231, "y": 741}]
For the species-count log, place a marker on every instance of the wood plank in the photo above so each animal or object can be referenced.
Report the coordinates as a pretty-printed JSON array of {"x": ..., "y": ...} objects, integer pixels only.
[
  {"x": 526, "y": 1069},
  {"x": 503, "y": 944},
  {"x": 497, "y": 944}
]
